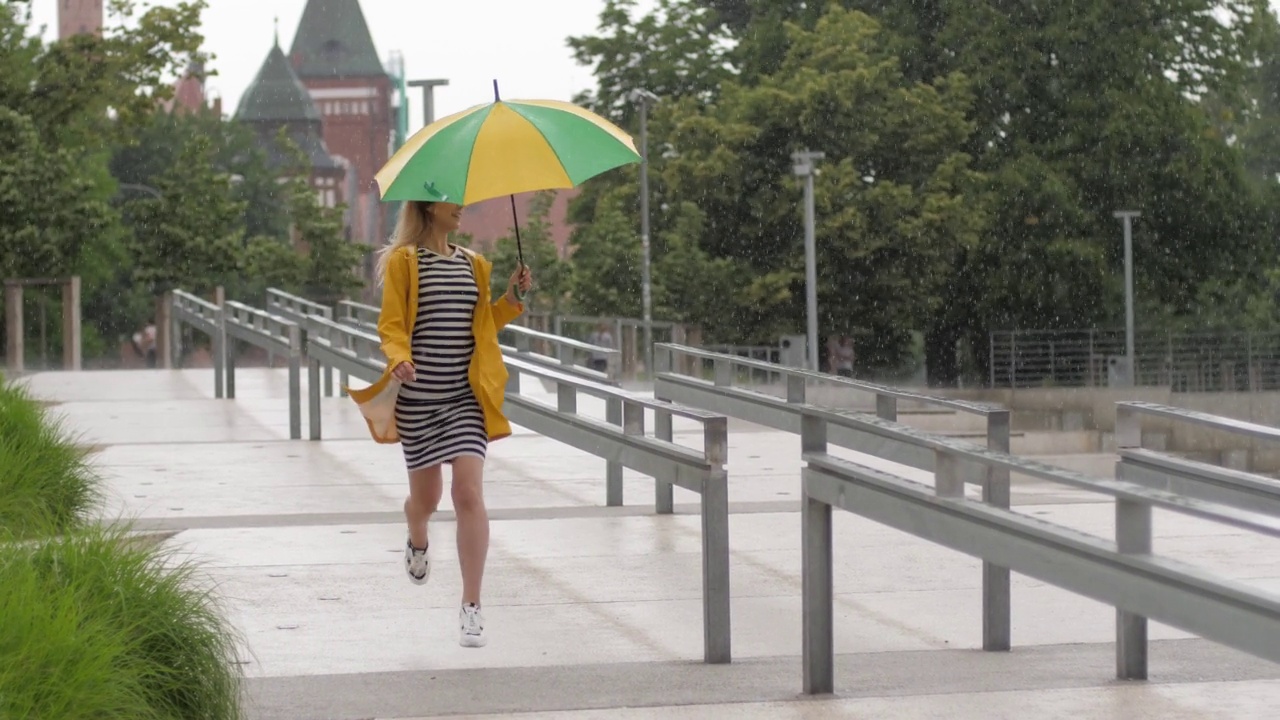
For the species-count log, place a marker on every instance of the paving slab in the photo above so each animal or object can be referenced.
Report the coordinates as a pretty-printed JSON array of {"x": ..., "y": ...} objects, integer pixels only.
[{"x": 596, "y": 611}]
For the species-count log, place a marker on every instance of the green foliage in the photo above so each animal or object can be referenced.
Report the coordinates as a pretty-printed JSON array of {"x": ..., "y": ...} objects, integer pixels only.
[
  {"x": 43, "y": 233},
  {"x": 685, "y": 56},
  {"x": 330, "y": 259},
  {"x": 63, "y": 105},
  {"x": 552, "y": 279},
  {"x": 102, "y": 626},
  {"x": 46, "y": 485},
  {"x": 189, "y": 237}
]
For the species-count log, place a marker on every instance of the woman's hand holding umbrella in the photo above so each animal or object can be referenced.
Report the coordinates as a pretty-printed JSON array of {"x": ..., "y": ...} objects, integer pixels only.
[{"x": 519, "y": 284}]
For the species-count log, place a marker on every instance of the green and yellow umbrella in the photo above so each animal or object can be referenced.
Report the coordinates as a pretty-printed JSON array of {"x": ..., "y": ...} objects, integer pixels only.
[{"x": 504, "y": 148}]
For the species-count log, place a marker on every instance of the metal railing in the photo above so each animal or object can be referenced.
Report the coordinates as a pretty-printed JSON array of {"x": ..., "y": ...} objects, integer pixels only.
[
  {"x": 1199, "y": 480},
  {"x": 1185, "y": 362},
  {"x": 565, "y": 355},
  {"x": 720, "y": 395},
  {"x": 301, "y": 311},
  {"x": 273, "y": 334},
  {"x": 620, "y": 439},
  {"x": 352, "y": 350},
  {"x": 202, "y": 315},
  {"x": 1123, "y": 572}
]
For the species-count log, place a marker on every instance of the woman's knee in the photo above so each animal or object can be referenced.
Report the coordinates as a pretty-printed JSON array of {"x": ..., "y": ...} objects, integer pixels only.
[{"x": 467, "y": 489}]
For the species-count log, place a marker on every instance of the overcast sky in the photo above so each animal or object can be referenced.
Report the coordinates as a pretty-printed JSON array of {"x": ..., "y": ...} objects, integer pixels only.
[{"x": 469, "y": 42}]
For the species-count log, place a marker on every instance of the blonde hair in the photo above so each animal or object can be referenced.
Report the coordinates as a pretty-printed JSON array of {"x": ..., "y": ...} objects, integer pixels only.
[{"x": 414, "y": 220}]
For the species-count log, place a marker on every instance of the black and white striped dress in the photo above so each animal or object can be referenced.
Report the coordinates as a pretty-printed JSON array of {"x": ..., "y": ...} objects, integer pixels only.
[{"x": 437, "y": 415}]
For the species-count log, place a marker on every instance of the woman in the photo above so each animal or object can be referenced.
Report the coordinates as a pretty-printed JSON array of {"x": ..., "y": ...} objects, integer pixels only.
[{"x": 441, "y": 396}]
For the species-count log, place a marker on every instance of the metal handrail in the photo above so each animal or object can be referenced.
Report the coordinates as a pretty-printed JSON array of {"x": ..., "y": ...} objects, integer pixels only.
[
  {"x": 273, "y": 334},
  {"x": 365, "y": 317},
  {"x": 301, "y": 311},
  {"x": 787, "y": 414},
  {"x": 620, "y": 439},
  {"x": 1245, "y": 490},
  {"x": 206, "y": 317},
  {"x": 1123, "y": 572},
  {"x": 725, "y": 363}
]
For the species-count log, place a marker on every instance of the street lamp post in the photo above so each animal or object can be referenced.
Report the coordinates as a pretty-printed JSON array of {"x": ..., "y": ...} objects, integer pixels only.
[
  {"x": 1130, "y": 351},
  {"x": 645, "y": 100},
  {"x": 428, "y": 97},
  {"x": 805, "y": 169}
]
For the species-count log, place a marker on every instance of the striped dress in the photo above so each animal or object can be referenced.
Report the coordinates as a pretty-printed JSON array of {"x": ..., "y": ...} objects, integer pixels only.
[{"x": 437, "y": 415}]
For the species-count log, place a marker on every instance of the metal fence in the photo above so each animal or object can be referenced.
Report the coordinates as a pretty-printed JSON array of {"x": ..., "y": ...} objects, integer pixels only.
[{"x": 1183, "y": 362}]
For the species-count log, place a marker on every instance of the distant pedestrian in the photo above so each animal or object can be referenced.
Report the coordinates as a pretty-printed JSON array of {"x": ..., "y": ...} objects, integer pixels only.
[
  {"x": 441, "y": 396},
  {"x": 144, "y": 342},
  {"x": 840, "y": 355},
  {"x": 600, "y": 337}
]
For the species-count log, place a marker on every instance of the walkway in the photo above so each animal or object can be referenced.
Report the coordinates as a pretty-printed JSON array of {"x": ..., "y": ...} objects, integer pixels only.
[{"x": 595, "y": 612}]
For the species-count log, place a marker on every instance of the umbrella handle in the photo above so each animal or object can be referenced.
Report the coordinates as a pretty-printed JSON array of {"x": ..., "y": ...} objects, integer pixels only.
[{"x": 515, "y": 221}]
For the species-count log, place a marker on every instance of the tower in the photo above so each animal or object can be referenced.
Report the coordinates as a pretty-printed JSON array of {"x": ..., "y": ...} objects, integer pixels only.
[
  {"x": 335, "y": 58},
  {"x": 79, "y": 17},
  {"x": 276, "y": 100}
]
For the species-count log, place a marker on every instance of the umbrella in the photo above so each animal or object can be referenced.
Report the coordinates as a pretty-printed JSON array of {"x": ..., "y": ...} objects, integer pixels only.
[{"x": 504, "y": 148}]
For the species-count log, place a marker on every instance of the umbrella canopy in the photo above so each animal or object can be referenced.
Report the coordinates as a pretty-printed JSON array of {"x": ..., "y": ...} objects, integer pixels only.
[{"x": 504, "y": 148}]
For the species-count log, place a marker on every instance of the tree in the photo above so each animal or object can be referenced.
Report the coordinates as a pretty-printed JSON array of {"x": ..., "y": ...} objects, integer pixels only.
[
  {"x": 64, "y": 104},
  {"x": 190, "y": 236},
  {"x": 673, "y": 52},
  {"x": 551, "y": 273},
  {"x": 156, "y": 145},
  {"x": 896, "y": 201}
]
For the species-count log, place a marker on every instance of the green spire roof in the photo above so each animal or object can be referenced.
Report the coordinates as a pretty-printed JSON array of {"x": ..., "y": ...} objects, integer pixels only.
[
  {"x": 276, "y": 94},
  {"x": 333, "y": 40}
]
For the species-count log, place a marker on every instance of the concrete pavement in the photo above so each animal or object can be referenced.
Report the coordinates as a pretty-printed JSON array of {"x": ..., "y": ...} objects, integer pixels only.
[{"x": 591, "y": 609}]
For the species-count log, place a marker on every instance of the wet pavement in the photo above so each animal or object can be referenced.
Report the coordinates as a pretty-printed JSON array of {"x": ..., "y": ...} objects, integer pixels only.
[{"x": 595, "y": 612}]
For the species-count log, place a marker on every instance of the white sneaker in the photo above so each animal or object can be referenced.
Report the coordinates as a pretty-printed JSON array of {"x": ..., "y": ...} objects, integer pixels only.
[
  {"x": 472, "y": 622},
  {"x": 417, "y": 563}
]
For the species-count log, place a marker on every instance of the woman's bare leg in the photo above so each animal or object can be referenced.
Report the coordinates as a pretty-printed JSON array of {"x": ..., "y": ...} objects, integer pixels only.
[
  {"x": 425, "y": 488},
  {"x": 473, "y": 524}
]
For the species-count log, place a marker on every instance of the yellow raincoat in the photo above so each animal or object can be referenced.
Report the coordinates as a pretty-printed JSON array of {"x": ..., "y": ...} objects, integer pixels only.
[{"x": 488, "y": 373}]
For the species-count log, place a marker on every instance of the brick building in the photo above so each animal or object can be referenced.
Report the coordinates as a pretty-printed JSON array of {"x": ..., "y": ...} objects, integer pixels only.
[
  {"x": 277, "y": 100},
  {"x": 335, "y": 59},
  {"x": 79, "y": 17}
]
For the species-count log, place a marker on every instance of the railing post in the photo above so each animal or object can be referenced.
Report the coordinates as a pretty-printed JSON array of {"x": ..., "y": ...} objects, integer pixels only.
[
  {"x": 313, "y": 394},
  {"x": 717, "y": 634},
  {"x": 613, "y": 469},
  {"x": 566, "y": 399},
  {"x": 817, "y": 586},
  {"x": 723, "y": 372},
  {"x": 296, "y": 339},
  {"x": 664, "y": 495},
  {"x": 796, "y": 389},
  {"x": 996, "y": 600},
  {"x": 887, "y": 407},
  {"x": 14, "y": 332},
  {"x": 948, "y": 481},
  {"x": 1133, "y": 536},
  {"x": 343, "y": 378},
  {"x": 219, "y": 346},
  {"x": 72, "y": 327},
  {"x": 1128, "y": 427}
]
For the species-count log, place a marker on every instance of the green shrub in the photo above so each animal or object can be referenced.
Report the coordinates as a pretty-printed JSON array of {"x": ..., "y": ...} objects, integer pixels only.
[
  {"x": 100, "y": 626},
  {"x": 46, "y": 484}
]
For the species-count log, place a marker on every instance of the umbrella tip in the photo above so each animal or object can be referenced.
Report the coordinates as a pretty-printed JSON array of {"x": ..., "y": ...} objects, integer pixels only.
[{"x": 496, "y": 96}]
